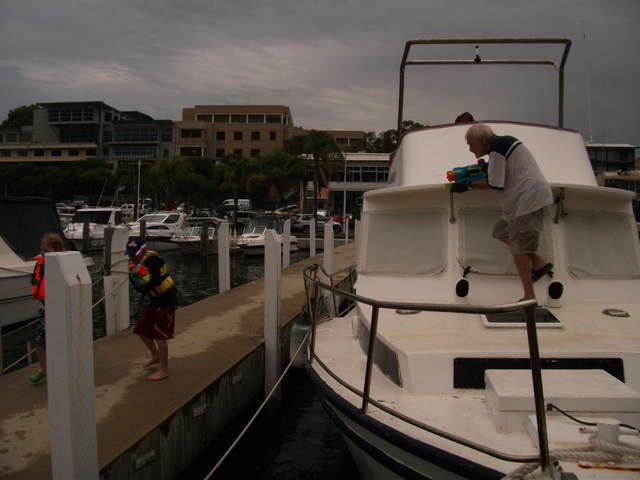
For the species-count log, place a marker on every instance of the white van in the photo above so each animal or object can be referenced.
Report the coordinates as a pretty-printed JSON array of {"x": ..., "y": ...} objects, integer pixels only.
[{"x": 243, "y": 204}]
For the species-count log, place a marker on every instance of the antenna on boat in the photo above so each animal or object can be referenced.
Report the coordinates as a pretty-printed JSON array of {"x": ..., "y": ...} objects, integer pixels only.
[{"x": 477, "y": 58}]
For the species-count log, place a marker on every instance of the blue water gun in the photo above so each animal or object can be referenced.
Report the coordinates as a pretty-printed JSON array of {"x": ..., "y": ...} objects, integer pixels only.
[{"x": 461, "y": 177}]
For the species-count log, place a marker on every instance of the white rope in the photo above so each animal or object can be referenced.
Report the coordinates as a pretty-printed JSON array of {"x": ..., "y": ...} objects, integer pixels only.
[
  {"x": 18, "y": 361},
  {"x": 596, "y": 451},
  {"x": 255, "y": 415}
]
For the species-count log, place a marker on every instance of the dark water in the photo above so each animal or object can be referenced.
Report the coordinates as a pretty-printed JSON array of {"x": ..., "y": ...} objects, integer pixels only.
[{"x": 297, "y": 441}]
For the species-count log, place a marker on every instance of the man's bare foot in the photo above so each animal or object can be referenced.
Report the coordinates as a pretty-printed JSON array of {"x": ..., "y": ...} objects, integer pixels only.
[
  {"x": 150, "y": 363},
  {"x": 159, "y": 375}
]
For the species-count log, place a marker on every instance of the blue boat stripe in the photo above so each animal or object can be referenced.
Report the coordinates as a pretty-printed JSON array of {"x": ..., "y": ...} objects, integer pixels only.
[{"x": 370, "y": 449}]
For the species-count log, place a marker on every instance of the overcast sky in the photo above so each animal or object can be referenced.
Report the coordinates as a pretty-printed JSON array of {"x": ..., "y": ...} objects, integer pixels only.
[{"x": 334, "y": 63}]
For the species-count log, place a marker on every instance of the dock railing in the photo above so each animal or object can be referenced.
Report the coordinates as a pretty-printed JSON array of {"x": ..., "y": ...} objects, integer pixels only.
[{"x": 313, "y": 289}]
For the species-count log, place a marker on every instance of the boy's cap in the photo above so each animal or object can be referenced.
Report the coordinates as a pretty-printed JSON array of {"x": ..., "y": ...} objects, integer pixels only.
[{"x": 134, "y": 246}]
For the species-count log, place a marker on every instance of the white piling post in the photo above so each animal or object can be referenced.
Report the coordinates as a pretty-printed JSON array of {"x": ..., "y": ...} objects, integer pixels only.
[
  {"x": 346, "y": 230},
  {"x": 286, "y": 244},
  {"x": 272, "y": 276},
  {"x": 356, "y": 232},
  {"x": 70, "y": 380},
  {"x": 312, "y": 238},
  {"x": 224, "y": 271},
  {"x": 328, "y": 248},
  {"x": 116, "y": 283}
]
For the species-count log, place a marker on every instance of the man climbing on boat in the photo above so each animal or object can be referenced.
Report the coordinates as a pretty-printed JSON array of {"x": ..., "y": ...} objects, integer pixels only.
[
  {"x": 525, "y": 192},
  {"x": 149, "y": 275}
]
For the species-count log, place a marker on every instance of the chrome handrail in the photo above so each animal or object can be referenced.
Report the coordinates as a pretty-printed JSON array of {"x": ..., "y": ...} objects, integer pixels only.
[
  {"x": 479, "y": 61},
  {"x": 310, "y": 275}
]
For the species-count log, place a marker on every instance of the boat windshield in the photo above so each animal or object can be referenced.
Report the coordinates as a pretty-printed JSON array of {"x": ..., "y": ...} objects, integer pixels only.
[
  {"x": 97, "y": 216},
  {"x": 154, "y": 218},
  {"x": 259, "y": 225}
]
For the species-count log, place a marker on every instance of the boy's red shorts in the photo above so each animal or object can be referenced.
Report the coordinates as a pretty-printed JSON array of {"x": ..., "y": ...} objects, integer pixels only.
[{"x": 156, "y": 323}]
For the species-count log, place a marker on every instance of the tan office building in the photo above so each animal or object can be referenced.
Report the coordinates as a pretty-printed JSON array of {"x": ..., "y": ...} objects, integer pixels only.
[{"x": 215, "y": 131}]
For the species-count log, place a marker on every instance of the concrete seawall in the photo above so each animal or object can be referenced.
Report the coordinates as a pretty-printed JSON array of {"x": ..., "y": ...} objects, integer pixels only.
[{"x": 153, "y": 430}]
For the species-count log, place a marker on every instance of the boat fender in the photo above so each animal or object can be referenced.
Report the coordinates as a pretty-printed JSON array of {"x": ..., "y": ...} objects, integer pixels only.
[
  {"x": 462, "y": 288},
  {"x": 554, "y": 292}
]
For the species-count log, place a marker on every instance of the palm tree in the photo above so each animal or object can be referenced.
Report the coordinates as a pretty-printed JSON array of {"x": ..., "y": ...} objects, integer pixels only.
[
  {"x": 235, "y": 172},
  {"x": 322, "y": 155}
]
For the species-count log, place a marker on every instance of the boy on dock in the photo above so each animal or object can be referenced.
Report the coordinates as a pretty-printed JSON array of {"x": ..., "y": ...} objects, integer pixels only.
[{"x": 150, "y": 276}]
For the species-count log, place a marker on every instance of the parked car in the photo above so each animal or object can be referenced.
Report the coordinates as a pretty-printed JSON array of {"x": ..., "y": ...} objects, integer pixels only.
[
  {"x": 302, "y": 222},
  {"x": 243, "y": 204},
  {"x": 288, "y": 210}
]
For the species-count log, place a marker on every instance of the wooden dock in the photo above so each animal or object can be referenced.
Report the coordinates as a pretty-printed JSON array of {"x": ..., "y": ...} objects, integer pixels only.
[{"x": 153, "y": 430}]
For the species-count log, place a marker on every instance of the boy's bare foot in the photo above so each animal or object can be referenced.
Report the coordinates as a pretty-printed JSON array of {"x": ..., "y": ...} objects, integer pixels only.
[
  {"x": 159, "y": 375},
  {"x": 150, "y": 363}
]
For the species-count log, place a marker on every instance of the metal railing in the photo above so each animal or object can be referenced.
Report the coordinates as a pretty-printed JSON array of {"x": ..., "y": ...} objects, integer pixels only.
[
  {"x": 480, "y": 61},
  {"x": 313, "y": 288}
]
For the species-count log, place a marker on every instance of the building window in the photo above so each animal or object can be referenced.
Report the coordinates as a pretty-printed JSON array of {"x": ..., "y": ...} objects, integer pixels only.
[
  {"x": 273, "y": 135},
  {"x": 108, "y": 116},
  {"x": 237, "y": 135},
  {"x": 23, "y": 153},
  {"x": 238, "y": 119},
  {"x": 221, "y": 119},
  {"x": 0, "y": 138},
  {"x": 220, "y": 135},
  {"x": 255, "y": 135},
  {"x": 165, "y": 152},
  {"x": 105, "y": 151},
  {"x": 25, "y": 137},
  {"x": 5, "y": 153},
  {"x": 274, "y": 118},
  {"x": 220, "y": 153},
  {"x": 204, "y": 117},
  {"x": 190, "y": 133},
  {"x": 136, "y": 133},
  {"x": 38, "y": 153},
  {"x": 12, "y": 137},
  {"x": 56, "y": 153},
  {"x": 255, "y": 152},
  {"x": 91, "y": 152},
  {"x": 256, "y": 118},
  {"x": 107, "y": 136},
  {"x": 166, "y": 134},
  {"x": 237, "y": 151},
  {"x": 74, "y": 153},
  {"x": 191, "y": 151}
]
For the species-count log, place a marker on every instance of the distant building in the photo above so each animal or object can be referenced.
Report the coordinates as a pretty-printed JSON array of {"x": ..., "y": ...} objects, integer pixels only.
[
  {"x": 215, "y": 131},
  {"x": 611, "y": 157},
  {"x": 365, "y": 171},
  {"x": 71, "y": 131}
]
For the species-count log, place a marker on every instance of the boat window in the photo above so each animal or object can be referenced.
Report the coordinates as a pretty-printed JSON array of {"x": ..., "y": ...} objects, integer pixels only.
[
  {"x": 152, "y": 218},
  {"x": 478, "y": 249},
  {"x": 172, "y": 219},
  {"x": 91, "y": 217},
  {"x": 590, "y": 238},
  {"x": 403, "y": 242}
]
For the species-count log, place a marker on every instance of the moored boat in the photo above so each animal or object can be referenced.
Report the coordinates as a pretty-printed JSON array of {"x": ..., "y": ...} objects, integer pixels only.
[
  {"x": 96, "y": 219},
  {"x": 437, "y": 372},
  {"x": 252, "y": 239}
]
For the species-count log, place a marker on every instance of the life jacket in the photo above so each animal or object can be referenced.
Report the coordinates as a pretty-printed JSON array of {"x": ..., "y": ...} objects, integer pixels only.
[
  {"x": 37, "y": 278},
  {"x": 167, "y": 281}
]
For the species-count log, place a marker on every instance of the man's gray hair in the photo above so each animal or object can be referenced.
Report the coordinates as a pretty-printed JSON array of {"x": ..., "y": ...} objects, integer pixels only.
[{"x": 479, "y": 131}]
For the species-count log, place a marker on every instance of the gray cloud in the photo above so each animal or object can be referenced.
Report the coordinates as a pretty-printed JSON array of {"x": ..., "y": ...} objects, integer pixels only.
[{"x": 335, "y": 63}]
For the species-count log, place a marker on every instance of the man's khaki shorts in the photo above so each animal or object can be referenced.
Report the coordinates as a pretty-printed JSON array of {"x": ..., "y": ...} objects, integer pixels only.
[{"x": 523, "y": 232}]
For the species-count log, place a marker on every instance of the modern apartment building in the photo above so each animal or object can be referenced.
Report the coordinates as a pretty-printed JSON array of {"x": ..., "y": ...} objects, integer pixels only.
[
  {"x": 216, "y": 131},
  {"x": 71, "y": 131}
]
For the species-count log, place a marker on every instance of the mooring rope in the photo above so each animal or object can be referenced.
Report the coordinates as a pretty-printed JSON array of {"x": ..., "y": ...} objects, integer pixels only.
[
  {"x": 255, "y": 415},
  {"x": 596, "y": 451}
]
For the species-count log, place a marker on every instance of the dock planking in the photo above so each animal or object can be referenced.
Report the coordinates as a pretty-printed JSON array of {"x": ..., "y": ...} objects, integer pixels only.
[{"x": 217, "y": 346}]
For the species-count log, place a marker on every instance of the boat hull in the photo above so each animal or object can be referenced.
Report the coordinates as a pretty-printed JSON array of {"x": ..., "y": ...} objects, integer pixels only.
[{"x": 381, "y": 452}]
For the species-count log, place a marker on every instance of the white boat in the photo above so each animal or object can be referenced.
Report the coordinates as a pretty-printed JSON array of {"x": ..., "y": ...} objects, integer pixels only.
[
  {"x": 437, "y": 372},
  {"x": 252, "y": 239},
  {"x": 160, "y": 228},
  {"x": 24, "y": 221},
  {"x": 97, "y": 219}
]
